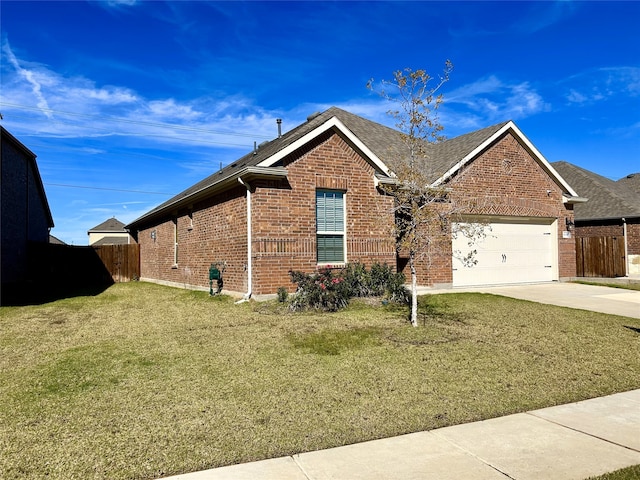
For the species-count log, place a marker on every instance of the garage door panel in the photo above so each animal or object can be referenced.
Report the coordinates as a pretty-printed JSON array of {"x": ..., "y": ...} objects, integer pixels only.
[{"x": 510, "y": 252}]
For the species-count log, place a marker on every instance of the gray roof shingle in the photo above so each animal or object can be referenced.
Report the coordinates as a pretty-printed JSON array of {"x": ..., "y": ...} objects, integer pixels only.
[
  {"x": 111, "y": 241},
  {"x": 606, "y": 199},
  {"x": 110, "y": 225},
  {"x": 631, "y": 181},
  {"x": 386, "y": 143}
]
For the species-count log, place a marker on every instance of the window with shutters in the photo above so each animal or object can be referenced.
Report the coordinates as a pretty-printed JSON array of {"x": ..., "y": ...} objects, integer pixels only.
[{"x": 330, "y": 227}]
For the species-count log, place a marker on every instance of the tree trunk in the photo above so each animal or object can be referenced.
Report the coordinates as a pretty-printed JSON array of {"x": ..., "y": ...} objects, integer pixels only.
[{"x": 414, "y": 290}]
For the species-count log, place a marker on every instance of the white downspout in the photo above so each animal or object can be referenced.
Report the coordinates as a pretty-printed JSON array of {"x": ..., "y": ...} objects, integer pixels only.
[
  {"x": 247, "y": 295},
  {"x": 626, "y": 247}
]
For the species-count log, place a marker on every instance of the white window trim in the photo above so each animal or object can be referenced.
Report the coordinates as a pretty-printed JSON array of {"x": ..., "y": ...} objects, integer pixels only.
[
  {"x": 175, "y": 243},
  {"x": 343, "y": 232}
]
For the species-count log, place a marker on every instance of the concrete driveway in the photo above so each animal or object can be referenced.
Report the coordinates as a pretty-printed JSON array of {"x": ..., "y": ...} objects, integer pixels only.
[{"x": 615, "y": 301}]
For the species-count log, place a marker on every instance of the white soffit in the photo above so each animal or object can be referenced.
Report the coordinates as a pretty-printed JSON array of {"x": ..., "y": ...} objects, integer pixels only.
[
  {"x": 539, "y": 157},
  {"x": 333, "y": 122}
]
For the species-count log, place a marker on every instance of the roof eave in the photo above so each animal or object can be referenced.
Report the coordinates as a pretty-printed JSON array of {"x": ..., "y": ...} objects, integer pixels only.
[
  {"x": 248, "y": 173},
  {"x": 573, "y": 199}
]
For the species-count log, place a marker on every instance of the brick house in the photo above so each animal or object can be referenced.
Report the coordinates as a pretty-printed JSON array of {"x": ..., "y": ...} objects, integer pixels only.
[
  {"x": 613, "y": 209},
  {"x": 311, "y": 197},
  {"x": 25, "y": 216}
]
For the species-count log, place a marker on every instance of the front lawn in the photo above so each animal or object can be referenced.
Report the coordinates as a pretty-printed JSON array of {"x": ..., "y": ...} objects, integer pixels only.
[{"x": 143, "y": 381}]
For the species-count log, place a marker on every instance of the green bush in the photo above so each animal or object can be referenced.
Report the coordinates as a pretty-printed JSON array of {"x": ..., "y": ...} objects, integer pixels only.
[
  {"x": 322, "y": 291},
  {"x": 282, "y": 294},
  {"x": 330, "y": 290}
]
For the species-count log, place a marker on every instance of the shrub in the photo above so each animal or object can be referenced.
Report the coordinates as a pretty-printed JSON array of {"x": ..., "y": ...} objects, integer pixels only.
[
  {"x": 282, "y": 294},
  {"x": 322, "y": 291},
  {"x": 356, "y": 278},
  {"x": 331, "y": 290}
]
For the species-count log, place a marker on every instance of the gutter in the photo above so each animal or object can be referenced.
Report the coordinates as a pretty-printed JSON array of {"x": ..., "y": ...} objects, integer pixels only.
[
  {"x": 249, "y": 172},
  {"x": 247, "y": 295},
  {"x": 626, "y": 247},
  {"x": 566, "y": 198}
]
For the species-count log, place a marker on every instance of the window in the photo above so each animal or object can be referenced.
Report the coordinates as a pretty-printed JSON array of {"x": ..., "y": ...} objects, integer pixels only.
[{"x": 330, "y": 225}]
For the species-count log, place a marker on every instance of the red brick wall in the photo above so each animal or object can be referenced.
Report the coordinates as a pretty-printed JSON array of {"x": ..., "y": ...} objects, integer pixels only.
[
  {"x": 284, "y": 219},
  {"x": 614, "y": 229},
  {"x": 217, "y": 233},
  {"x": 504, "y": 180},
  {"x": 283, "y": 225},
  {"x": 633, "y": 236}
]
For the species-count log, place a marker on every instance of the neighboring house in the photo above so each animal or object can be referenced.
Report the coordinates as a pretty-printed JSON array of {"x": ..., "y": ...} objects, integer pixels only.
[
  {"x": 55, "y": 240},
  {"x": 24, "y": 213},
  {"x": 109, "y": 232},
  {"x": 613, "y": 208},
  {"x": 311, "y": 198}
]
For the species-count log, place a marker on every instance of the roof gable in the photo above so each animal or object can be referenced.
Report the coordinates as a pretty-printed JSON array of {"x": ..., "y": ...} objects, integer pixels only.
[
  {"x": 467, "y": 147},
  {"x": 332, "y": 124},
  {"x": 380, "y": 145},
  {"x": 110, "y": 225}
]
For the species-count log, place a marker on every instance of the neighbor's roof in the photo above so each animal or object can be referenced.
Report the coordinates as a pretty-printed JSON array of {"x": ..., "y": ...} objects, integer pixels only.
[
  {"x": 111, "y": 241},
  {"x": 607, "y": 199},
  {"x": 110, "y": 225},
  {"x": 55, "y": 240},
  {"x": 382, "y": 145}
]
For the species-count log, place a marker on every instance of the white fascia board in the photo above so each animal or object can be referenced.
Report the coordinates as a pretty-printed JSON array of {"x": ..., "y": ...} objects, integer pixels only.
[
  {"x": 569, "y": 199},
  {"x": 333, "y": 122},
  {"x": 539, "y": 157}
]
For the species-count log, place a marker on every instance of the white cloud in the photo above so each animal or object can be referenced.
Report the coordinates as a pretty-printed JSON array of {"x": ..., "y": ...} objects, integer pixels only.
[
  {"x": 41, "y": 100},
  {"x": 490, "y": 99},
  {"x": 29, "y": 76},
  {"x": 595, "y": 85}
]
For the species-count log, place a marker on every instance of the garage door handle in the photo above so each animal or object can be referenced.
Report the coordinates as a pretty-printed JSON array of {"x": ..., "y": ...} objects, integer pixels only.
[{"x": 504, "y": 258}]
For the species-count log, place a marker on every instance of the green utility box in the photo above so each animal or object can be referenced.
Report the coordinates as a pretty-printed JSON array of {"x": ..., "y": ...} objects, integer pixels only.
[{"x": 215, "y": 273}]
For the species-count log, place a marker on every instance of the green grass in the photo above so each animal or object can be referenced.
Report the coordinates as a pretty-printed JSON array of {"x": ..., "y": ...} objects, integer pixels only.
[
  {"x": 143, "y": 381},
  {"x": 630, "y": 473}
]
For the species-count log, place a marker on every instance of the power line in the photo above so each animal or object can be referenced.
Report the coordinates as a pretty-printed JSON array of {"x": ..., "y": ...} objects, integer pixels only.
[{"x": 108, "y": 189}]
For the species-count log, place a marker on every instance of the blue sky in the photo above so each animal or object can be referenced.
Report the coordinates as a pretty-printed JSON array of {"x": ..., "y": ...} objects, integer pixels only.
[{"x": 127, "y": 102}]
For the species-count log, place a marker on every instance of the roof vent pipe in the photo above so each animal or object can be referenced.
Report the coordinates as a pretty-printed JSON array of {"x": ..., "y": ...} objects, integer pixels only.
[
  {"x": 279, "y": 122},
  {"x": 255, "y": 148}
]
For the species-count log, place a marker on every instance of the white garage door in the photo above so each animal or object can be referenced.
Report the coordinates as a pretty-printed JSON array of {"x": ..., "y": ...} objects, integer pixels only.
[{"x": 512, "y": 251}]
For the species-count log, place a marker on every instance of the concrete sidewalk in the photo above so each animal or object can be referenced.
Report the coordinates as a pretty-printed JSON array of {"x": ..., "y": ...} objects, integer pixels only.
[{"x": 573, "y": 441}]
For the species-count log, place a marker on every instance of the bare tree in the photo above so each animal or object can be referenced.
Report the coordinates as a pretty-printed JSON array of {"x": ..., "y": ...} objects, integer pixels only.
[{"x": 422, "y": 211}]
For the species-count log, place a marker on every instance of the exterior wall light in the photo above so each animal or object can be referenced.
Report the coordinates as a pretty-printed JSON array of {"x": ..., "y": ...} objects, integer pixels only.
[{"x": 569, "y": 224}]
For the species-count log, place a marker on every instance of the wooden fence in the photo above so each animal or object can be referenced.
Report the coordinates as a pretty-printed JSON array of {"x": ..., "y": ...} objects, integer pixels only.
[
  {"x": 600, "y": 257},
  {"x": 122, "y": 261}
]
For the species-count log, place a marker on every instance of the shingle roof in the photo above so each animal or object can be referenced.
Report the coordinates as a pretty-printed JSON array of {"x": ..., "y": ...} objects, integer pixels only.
[
  {"x": 384, "y": 142},
  {"x": 111, "y": 241},
  {"x": 631, "y": 181},
  {"x": 606, "y": 199},
  {"x": 110, "y": 225}
]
